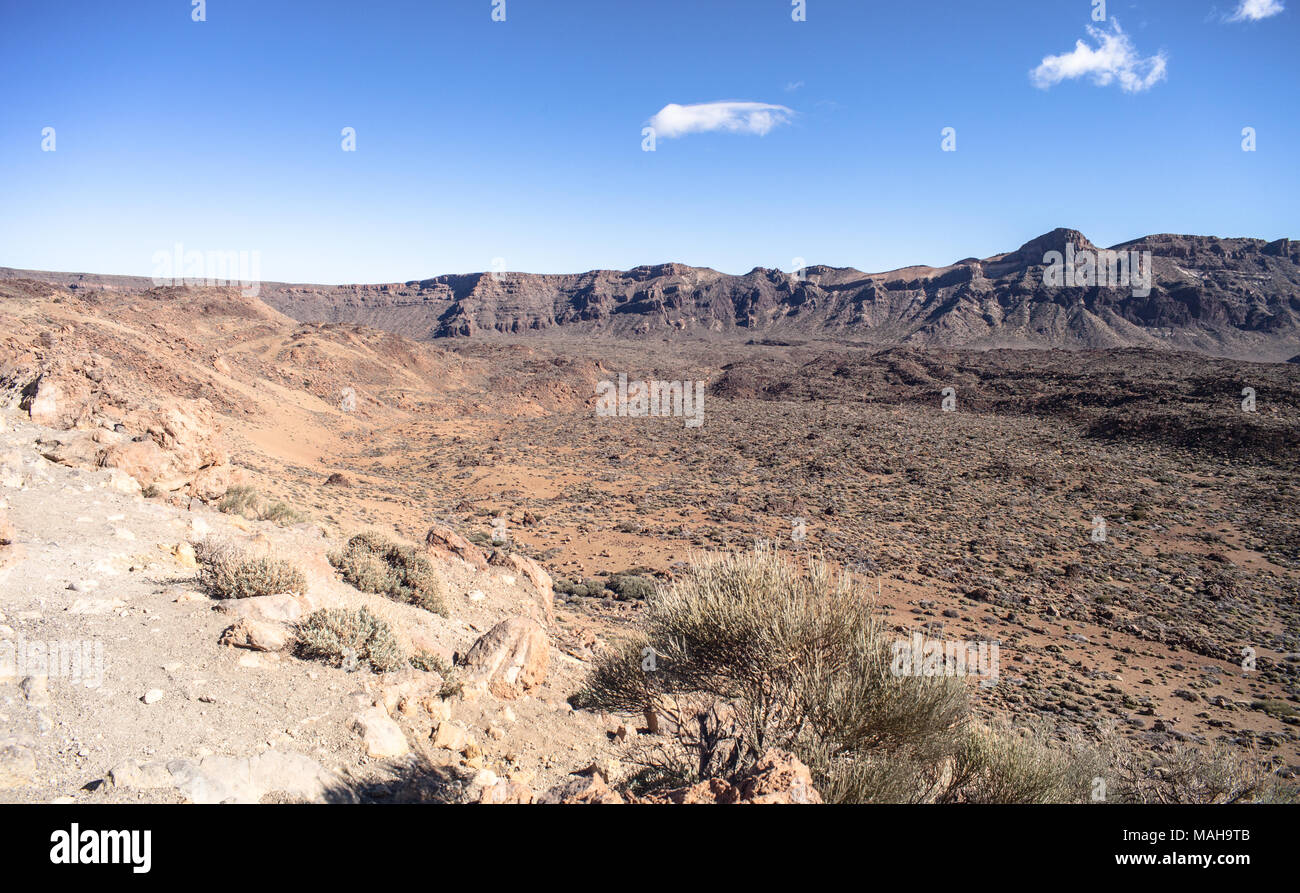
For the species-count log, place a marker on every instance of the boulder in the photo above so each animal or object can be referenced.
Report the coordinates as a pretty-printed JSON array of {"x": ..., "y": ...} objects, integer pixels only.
[
  {"x": 257, "y": 635},
  {"x": 505, "y": 791},
  {"x": 583, "y": 789},
  {"x": 177, "y": 442},
  {"x": 282, "y": 608},
  {"x": 122, "y": 482},
  {"x": 383, "y": 737},
  {"x": 450, "y": 736},
  {"x": 144, "y": 460},
  {"x": 510, "y": 659},
  {"x": 44, "y": 403},
  {"x": 212, "y": 482},
  {"x": 778, "y": 777},
  {"x": 443, "y": 541},
  {"x": 141, "y": 776},
  {"x": 77, "y": 452}
]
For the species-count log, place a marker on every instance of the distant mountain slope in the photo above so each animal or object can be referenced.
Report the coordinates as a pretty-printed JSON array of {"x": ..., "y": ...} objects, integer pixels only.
[{"x": 1230, "y": 297}]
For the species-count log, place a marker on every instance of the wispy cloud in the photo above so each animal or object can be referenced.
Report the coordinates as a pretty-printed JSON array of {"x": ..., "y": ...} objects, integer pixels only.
[
  {"x": 758, "y": 118},
  {"x": 1114, "y": 59},
  {"x": 1254, "y": 10},
  {"x": 793, "y": 85}
]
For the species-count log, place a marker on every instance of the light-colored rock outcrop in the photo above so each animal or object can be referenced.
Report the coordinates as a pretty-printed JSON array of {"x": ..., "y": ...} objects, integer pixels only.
[{"x": 510, "y": 659}]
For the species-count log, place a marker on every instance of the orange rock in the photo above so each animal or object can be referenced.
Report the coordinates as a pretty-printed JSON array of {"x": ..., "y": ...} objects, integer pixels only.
[
  {"x": 510, "y": 659},
  {"x": 442, "y": 540},
  {"x": 581, "y": 790},
  {"x": 779, "y": 777}
]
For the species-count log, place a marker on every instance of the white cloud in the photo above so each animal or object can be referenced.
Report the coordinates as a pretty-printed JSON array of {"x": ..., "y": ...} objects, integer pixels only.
[
  {"x": 759, "y": 118},
  {"x": 1113, "y": 60},
  {"x": 1254, "y": 10}
]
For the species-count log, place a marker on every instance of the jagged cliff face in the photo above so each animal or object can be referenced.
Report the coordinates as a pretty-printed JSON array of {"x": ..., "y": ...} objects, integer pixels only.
[{"x": 1229, "y": 297}]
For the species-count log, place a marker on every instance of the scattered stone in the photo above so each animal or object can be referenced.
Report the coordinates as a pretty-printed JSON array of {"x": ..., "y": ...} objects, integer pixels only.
[
  {"x": 506, "y": 792},
  {"x": 383, "y": 737},
  {"x": 222, "y": 779},
  {"x": 36, "y": 690},
  {"x": 257, "y": 635},
  {"x": 451, "y": 737},
  {"x": 17, "y": 765},
  {"x": 583, "y": 789}
]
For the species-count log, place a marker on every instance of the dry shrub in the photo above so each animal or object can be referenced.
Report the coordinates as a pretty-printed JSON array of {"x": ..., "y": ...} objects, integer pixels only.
[
  {"x": 748, "y": 651},
  {"x": 1181, "y": 773},
  {"x": 228, "y": 570},
  {"x": 1006, "y": 765},
  {"x": 349, "y": 639},
  {"x": 247, "y": 502},
  {"x": 374, "y": 563}
]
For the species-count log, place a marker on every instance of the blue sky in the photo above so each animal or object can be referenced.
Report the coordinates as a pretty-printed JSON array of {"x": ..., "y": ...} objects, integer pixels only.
[{"x": 522, "y": 139}]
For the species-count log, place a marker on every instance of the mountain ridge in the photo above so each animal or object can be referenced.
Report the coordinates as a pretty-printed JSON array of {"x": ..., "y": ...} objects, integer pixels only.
[{"x": 1235, "y": 297}]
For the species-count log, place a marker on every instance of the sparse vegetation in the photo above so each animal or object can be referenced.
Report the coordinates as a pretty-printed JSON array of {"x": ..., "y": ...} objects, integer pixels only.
[
  {"x": 631, "y": 586},
  {"x": 247, "y": 502},
  {"x": 428, "y": 662},
  {"x": 1275, "y": 707},
  {"x": 347, "y": 638},
  {"x": 1185, "y": 774},
  {"x": 749, "y": 651},
  {"x": 227, "y": 570},
  {"x": 374, "y": 563}
]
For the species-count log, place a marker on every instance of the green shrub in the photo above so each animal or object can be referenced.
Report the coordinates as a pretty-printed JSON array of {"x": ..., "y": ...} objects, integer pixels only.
[
  {"x": 631, "y": 586},
  {"x": 227, "y": 570},
  {"x": 428, "y": 662},
  {"x": 280, "y": 513},
  {"x": 347, "y": 638},
  {"x": 746, "y": 652},
  {"x": 373, "y": 563},
  {"x": 750, "y": 652},
  {"x": 1274, "y": 707},
  {"x": 241, "y": 500}
]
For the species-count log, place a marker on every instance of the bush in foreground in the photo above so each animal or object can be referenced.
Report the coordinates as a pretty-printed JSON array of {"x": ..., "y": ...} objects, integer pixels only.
[{"x": 749, "y": 651}]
